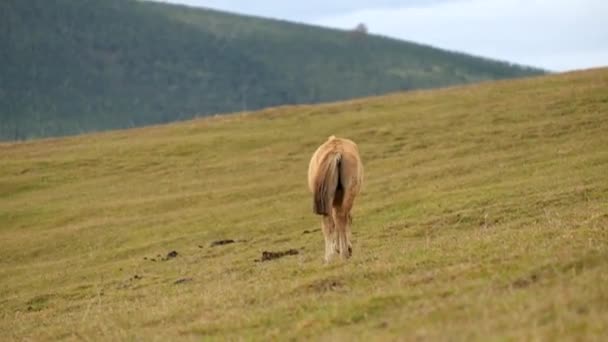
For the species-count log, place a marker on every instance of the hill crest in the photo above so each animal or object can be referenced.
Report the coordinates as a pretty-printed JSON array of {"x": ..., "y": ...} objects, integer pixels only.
[{"x": 73, "y": 67}]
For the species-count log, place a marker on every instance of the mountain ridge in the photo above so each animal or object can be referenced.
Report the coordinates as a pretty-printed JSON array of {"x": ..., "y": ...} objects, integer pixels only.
[{"x": 73, "y": 67}]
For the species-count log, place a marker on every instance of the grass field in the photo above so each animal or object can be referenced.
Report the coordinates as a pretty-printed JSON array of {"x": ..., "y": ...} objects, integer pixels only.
[{"x": 484, "y": 216}]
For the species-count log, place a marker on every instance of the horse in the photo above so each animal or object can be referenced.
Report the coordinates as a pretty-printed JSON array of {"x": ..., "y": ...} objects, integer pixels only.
[{"x": 335, "y": 177}]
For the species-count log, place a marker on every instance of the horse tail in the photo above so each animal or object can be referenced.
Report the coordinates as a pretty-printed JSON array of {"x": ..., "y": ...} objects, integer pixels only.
[{"x": 327, "y": 183}]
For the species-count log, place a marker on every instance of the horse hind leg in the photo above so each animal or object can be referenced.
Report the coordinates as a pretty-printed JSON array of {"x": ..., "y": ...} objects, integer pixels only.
[
  {"x": 329, "y": 233},
  {"x": 343, "y": 220},
  {"x": 350, "y": 182},
  {"x": 344, "y": 247}
]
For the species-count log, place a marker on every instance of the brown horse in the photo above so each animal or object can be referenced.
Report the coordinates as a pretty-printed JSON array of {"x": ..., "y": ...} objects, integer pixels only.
[{"x": 335, "y": 176}]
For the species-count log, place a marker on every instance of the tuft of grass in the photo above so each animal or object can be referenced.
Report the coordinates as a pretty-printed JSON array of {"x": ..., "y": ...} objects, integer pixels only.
[{"x": 483, "y": 216}]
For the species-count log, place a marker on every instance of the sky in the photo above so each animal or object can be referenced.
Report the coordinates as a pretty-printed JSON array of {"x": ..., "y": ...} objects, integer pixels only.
[{"x": 557, "y": 35}]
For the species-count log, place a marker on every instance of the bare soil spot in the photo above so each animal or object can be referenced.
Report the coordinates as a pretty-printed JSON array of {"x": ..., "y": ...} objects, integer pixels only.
[
  {"x": 383, "y": 325},
  {"x": 325, "y": 285},
  {"x": 222, "y": 242},
  {"x": 525, "y": 282},
  {"x": 170, "y": 255},
  {"x": 266, "y": 255},
  {"x": 310, "y": 231},
  {"x": 182, "y": 280}
]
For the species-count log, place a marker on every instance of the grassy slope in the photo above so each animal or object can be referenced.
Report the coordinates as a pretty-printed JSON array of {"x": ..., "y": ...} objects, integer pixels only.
[{"x": 484, "y": 216}]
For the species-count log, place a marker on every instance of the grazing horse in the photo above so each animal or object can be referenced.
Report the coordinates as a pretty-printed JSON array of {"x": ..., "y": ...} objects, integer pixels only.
[{"x": 335, "y": 176}]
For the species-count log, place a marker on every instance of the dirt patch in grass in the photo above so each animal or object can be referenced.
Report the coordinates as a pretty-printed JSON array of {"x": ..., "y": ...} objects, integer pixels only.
[
  {"x": 222, "y": 242},
  {"x": 182, "y": 280},
  {"x": 325, "y": 285},
  {"x": 170, "y": 255},
  {"x": 525, "y": 282},
  {"x": 266, "y": 255}
]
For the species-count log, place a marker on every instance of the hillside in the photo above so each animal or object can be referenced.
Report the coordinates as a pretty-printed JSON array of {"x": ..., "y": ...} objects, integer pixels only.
[
  {"x": 483, "y": 217},
  {"x": 70, "y": 66}
]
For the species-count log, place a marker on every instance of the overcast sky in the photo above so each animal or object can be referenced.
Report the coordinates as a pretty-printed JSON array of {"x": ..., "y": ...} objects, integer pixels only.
[{"x": 557, "y": 35}]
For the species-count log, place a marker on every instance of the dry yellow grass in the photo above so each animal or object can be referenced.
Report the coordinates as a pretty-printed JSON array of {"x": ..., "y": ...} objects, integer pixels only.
[{"x": 483, "y": 217}]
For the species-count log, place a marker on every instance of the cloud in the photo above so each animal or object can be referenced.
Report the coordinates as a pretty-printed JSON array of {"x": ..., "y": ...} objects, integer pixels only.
[{"x": 557, "y": 35}]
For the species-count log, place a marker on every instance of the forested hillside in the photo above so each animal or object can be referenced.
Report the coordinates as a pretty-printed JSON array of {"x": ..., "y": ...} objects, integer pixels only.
[{"x": 70, "y": 66}]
